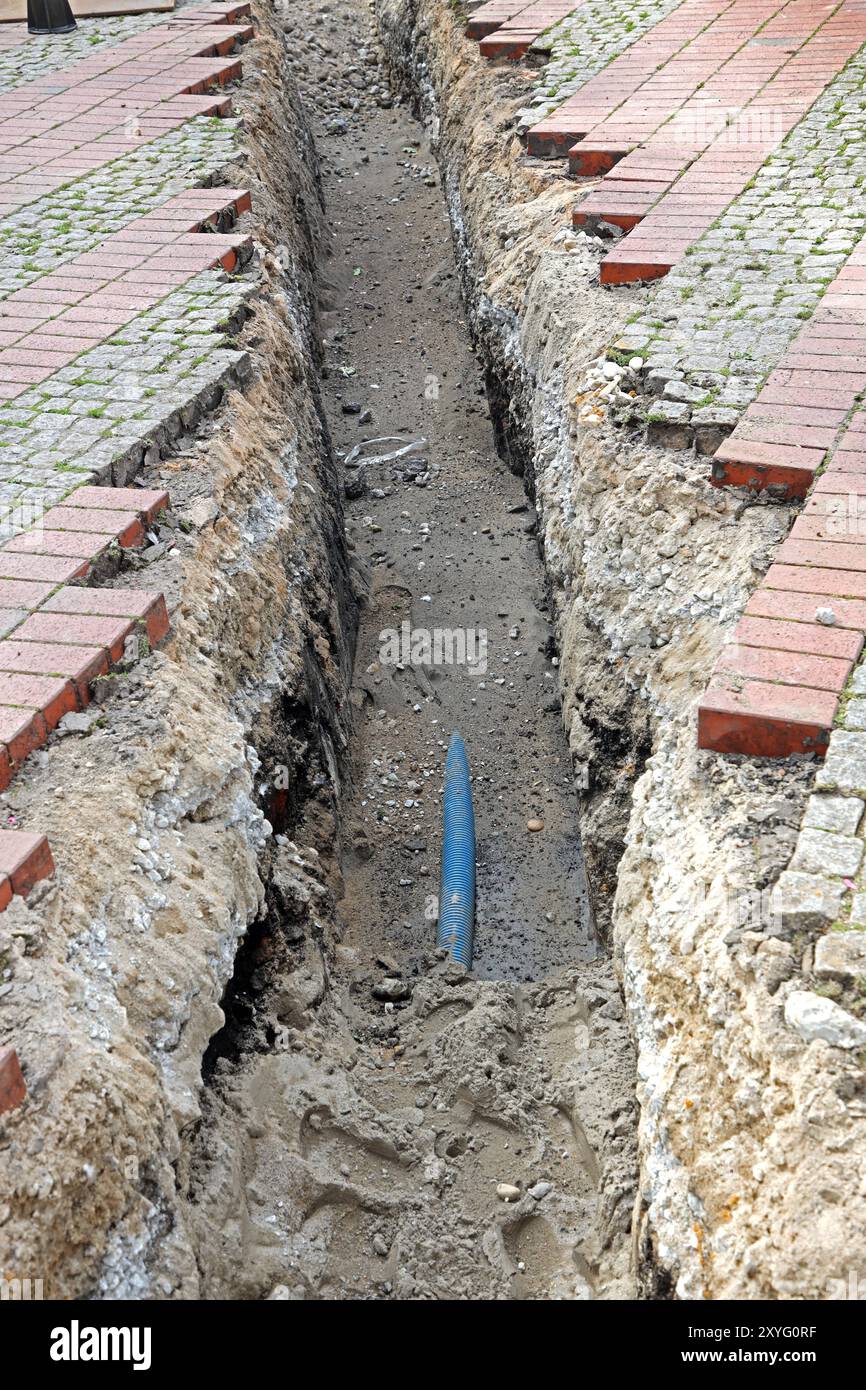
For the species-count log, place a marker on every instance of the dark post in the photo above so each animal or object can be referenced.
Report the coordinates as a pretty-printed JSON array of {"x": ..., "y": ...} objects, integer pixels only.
[{"x": 50, "y": 17}]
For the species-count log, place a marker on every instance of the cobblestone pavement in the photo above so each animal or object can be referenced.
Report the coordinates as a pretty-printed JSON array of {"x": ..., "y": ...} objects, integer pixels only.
[
  {"x": 753, "y": 348},
  {"x": 583, "y": 44},
  {"x": 34, "y": 55},
  {"x": 75, "y": 218},
  {"x": 97, "y": 414},
  {"x": 716, "y": 325},
  {"x": 114, "y": 102},
  {"x": 133, "y": 394},
  {"x": 114, "y": 340}
]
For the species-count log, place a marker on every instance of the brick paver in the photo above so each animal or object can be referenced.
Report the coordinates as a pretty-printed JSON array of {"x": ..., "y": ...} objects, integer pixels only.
[
  {"x": 24, "y": 56},
  {"x": 776, "y": 688},
  {"x": 513, "y": 36},
  {"x": 72, "y": 122},
  {"x": 787, "y": 431},
  {"x": 56, "y": 640},
  {"x": 580, "y": 46},
  {"x": 711, "y": 331},
  {"x": 764, "y": 116},
  {"x": 491, "y": 16},
  {"x": 599, "y": 98},
  {"x": 47, "y": 325},
  {"x": 720, "y": 67},
  {"x": 109, "y": 296}
]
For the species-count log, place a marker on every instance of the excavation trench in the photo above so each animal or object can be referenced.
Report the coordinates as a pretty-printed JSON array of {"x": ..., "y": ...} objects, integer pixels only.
[{"x": 365, "y": 1100}]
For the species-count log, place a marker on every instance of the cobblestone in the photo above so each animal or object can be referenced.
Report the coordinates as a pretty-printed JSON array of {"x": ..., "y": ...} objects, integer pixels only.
[
  {"x": 584, "y": 43},
  {"x": 823, "y": 852},
  {"x": 77, "y": 217},
  {"x": 841, "y": 955},
  {"x": 731, "y": 307}
]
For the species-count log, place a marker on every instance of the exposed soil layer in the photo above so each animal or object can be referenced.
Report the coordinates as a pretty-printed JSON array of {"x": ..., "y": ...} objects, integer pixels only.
[{"x": 366, "y": 1099}]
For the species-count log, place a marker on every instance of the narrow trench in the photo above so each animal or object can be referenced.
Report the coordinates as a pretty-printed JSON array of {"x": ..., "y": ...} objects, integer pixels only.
[
  {"x": 446, "y": 540},
  {"x": 365, "y": 1101}
]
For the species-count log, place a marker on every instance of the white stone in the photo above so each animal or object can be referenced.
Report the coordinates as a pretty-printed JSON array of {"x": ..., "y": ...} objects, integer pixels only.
[{"x": 813, "y": 1017}]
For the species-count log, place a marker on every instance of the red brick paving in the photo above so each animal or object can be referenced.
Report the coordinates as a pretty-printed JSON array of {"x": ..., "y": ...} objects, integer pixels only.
[
  {"x": 721, "y": 51},
  {"x": 488, "y": 17},
  {"x": 824, "y": 366},
  {"x": 58, "y": 640},
  {"x": 600, "y": 97},
  {"x": 775, "y": 688},
  {"x": 770, "y": 90},
  {"x": 66, "y": 124},
  {"x": 513, "y": 35},
  {"x": 48, "y": 324},
  {"x": 24, "y": 859}
]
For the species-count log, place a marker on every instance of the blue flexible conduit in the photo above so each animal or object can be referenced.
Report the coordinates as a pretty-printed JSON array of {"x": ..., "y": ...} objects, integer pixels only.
[{"x": 457, "y": 890}]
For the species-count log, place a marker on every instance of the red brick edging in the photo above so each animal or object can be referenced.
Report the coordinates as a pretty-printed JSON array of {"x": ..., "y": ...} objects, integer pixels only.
[
  {"x": 506, "y": 28},
  {"x": 775, "y": 688}
]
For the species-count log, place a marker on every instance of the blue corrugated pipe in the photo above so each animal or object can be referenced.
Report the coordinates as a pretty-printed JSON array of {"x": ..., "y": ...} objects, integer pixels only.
[{"x": 457, "y": 890}]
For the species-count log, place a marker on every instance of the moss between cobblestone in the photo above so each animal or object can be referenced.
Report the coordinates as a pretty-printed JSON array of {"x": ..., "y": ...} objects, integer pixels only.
[
  {"x": 584, "y": 43},
  {"x": 746, "y": 287},
  {"x": 76, "y": 217}
]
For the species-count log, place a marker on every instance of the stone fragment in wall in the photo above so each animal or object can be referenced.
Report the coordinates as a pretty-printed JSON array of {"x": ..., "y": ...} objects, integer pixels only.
[
  {"x": 841, "y": 955},
  {"x": 806, "y": 900},
  {"x": 815, "y": 1017}
]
